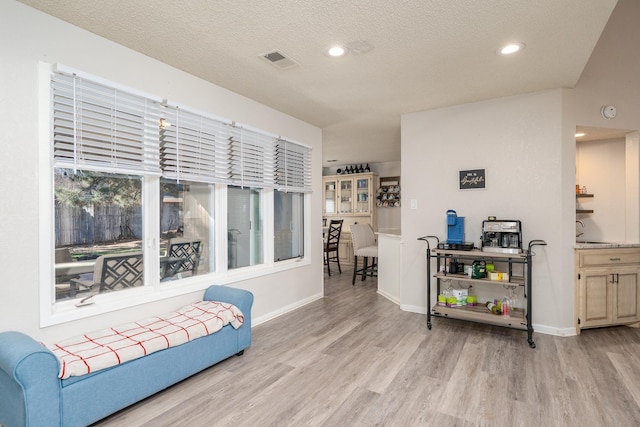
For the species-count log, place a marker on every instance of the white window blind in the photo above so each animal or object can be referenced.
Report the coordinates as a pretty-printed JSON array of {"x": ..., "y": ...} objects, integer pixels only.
[
  {"x": 102, "y": 128},
  {"x": 293, "y": 167},
  {"x": 194, "y": 147},
  {"x": 251, "y": 156}
]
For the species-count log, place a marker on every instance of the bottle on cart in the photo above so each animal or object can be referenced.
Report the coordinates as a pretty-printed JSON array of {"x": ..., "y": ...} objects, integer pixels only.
[
  {"x": 506, "y": 307},
  {"x": 492, "y": 307}
]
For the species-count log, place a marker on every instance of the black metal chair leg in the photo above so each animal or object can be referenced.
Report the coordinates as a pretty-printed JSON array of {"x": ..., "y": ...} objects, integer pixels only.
[
  {"x": 328, "y": 265},
  {"x": 355, "y": 269},
  {"x": 338, "y": 261},
  {"x": 364, "y": 268}
]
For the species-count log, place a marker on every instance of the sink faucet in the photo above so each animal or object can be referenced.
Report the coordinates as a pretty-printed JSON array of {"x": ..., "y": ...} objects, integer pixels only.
[{"x": 582, "y": 224}]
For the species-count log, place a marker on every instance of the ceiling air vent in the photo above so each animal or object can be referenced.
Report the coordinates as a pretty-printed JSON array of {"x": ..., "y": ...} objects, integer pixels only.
[{"x": 279, "y": 60}]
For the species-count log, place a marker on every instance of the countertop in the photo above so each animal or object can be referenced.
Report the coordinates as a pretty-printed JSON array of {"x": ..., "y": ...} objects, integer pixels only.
[
  {"x": 391, "y": 232},
  {"x": 605, "y": 245}
]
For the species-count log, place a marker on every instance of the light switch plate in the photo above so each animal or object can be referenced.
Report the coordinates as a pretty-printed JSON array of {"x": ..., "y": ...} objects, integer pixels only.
[{"x": 414, "y": 204}]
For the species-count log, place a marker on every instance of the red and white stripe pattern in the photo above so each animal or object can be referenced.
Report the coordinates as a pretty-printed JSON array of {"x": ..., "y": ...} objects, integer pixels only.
[{"x": 102, "y": 349}]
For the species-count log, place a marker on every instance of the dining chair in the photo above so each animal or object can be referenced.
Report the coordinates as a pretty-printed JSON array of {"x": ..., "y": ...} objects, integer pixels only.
[
  {"x": 112, "y": 272},
  {"x": 63, "y": 281},
  {"x": 64, "y": 255},
  {"x": 332, "y": 243},
  {"x": 364, "y": 246}
]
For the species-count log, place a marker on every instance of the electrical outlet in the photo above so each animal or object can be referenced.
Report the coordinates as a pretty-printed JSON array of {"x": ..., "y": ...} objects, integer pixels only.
[{"x": 414, "y": 204}]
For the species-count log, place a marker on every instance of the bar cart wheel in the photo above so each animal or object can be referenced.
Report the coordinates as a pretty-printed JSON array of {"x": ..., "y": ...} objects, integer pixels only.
[
  {"x": 531, "y": 343},
  {"x": 429, "y": 326}
]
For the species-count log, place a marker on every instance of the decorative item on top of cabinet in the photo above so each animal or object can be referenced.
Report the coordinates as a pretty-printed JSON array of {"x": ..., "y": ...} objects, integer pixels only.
[
  {"x": 350, "y": 169},
  {"x": 389, "y": 192}
]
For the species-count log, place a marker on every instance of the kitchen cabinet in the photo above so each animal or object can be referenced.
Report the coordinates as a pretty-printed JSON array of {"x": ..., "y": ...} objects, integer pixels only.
[
  {"x": 517, "y": 266},
  {"x": 330, "y": 196},
  {"x": 352, "y": 199},
  {"x": 349, "y": 194},
  {"x": 345, "y": 248},
  {"x": 607, "y": 291},
  {"x": 355, "y": 194}
]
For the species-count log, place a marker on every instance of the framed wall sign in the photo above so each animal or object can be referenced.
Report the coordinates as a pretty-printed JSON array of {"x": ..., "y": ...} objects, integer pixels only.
[{"x": 474, "y": 178}]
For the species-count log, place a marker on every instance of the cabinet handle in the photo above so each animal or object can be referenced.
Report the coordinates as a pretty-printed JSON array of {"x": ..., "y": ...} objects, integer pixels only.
[{"x": 614, "y": 259}]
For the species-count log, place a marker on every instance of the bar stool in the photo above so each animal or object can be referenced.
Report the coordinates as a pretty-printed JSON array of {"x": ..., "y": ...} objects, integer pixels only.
[{"x": 366, "y": 246}]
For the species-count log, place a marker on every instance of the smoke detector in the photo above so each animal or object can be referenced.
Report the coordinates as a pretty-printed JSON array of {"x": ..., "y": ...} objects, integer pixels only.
[
  {"x": 279, "y": 60},
  {"x": 608, "y": 112}
]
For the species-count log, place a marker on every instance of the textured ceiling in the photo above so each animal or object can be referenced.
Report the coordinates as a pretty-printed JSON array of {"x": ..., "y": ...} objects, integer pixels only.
[{"x": 426, "y": 54}]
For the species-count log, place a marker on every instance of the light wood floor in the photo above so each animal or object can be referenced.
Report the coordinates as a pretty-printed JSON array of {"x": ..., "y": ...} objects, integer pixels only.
[{"x": 355, "y": 359}]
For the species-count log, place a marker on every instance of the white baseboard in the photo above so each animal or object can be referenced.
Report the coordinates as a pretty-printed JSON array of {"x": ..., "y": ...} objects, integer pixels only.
[
  {"x": 286, "y": 309},
  {"x": 413, "y": 309},
  {"x": 559, "y": 332},
  {"x": 389, "y": 297}
]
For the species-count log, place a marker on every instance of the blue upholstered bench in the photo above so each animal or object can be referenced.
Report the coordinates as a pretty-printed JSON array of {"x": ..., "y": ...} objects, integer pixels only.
[{"x": 31, "y": 394}]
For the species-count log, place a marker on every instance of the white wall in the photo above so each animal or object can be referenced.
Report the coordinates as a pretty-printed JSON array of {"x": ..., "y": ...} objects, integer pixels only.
[
  {"x": 632, "y": 186},
  {"x": 27, "y": 37},
  {"x": 519, "y": 142}
]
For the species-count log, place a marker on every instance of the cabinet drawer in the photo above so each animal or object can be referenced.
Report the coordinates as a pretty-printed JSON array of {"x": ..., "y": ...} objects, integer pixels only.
[{"x": 607, "y": 258}]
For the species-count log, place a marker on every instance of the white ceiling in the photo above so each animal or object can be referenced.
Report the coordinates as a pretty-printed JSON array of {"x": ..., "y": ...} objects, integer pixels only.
[{"x": 425, "y": 54}]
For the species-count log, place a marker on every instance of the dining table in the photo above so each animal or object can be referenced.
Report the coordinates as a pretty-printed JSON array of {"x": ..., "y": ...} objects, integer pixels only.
[
  {"x": 75, "y": 267},
  {"x": 169, "y": 266}
]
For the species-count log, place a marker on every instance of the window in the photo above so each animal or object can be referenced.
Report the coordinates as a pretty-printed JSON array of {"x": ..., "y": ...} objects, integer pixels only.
[
  {"x": 104, "y": 144},
  {"x": 288, "y": 225},
  {"x": 186, "y": 229},
  {"x": 97, "y": 215},
  {"x": 137, "y": 186},
  {"x": 244, "y": 227},
  {"x": 193, "y": 156}
]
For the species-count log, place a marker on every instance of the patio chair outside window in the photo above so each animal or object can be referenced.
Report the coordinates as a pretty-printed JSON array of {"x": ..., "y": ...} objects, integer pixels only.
[
  {"x": 112, "y": 272},
  {"x": 183, "y": 256}
]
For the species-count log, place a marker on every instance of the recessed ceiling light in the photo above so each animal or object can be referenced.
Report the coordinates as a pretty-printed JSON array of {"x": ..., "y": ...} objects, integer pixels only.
[
  {"x": 336, "y": 51},
  {"x": 511, "y": 48}
]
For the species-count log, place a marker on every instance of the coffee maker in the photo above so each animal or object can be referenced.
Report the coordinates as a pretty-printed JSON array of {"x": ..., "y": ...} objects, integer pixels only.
[{"x": 502, "y": 236}]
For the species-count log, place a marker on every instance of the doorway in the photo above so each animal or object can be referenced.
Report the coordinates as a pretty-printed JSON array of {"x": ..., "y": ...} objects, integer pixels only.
[{"x": 607, "y": 184}]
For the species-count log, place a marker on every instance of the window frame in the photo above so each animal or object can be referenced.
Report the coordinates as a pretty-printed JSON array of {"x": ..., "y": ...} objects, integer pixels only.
[{"x": 53, "y": 313}]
